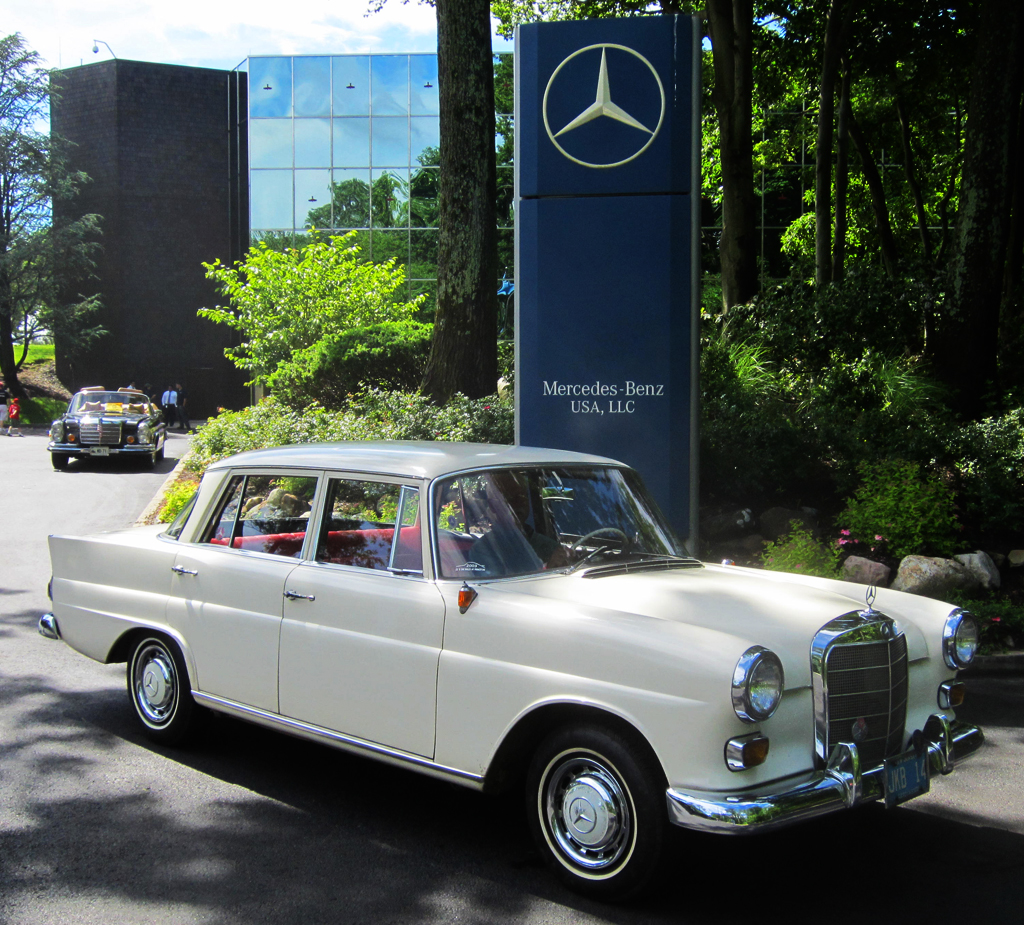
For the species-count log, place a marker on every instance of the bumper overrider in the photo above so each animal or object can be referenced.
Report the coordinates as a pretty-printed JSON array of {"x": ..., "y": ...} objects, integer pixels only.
[{"x": 841, "y": 785}]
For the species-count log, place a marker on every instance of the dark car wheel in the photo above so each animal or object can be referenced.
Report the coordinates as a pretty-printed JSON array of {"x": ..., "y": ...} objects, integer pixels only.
[
  {"x": 159, "y": 690},
  {"x": 596, "y": 806},
  {"x": 59, "y": 460}
]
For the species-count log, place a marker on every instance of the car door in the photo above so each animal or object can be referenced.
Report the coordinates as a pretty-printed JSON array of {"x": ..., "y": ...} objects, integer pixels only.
[
  {"x": 362, "y": 629},
  {"x": 227, "y": 590}
]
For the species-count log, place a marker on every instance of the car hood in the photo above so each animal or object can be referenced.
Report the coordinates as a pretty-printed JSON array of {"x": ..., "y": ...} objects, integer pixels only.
[{"x": 774, "y": 609}]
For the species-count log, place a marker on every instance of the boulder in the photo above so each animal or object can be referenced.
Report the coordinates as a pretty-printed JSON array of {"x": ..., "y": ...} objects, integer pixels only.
[
  {"x": 752, "y": 545},
  {"x": 932, "y": 577},
  {"x": 981, "y": 566},
  {"x": 720, "y": 525},
  {"x": 777, "y": 521},
  {"x": 866, "y": 571},
  {"x": 1015, "y": 557}
]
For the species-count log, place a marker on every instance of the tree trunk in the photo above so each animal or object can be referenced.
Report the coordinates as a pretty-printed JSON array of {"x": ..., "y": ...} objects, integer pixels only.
[
  {"x": 463, "y": 356},
  {"x": 911, "y": 175},
  {"x": 830, "y": 58},
  {"x": 1011, "y": 325},
  {"x": 969, "y": 335},
  {"x": 730, "y": 24},
  {"x": 887, "y": 243},
  {"x": 842, "y": 178},
  {"x": 8, "y": 366}
]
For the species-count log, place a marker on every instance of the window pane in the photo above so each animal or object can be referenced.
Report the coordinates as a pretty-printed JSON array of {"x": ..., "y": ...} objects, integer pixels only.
[
  {"x": 275, "y": 514},
  {"x": 270, "y": 143},
  {"x": 389, "y": 84},
  {"x": 423, "y": 199},
  {"x": 351, "y": 195},
  {"x": 506, "y": 197},
  {"x": 220, "y": 528},
  {"x": 351, "y": 85},
  {"x": 391, "y": 244},
  {"x": 359, "y": 524},
  {"x": 390, "y": 142},
  {"x": 270, "y": 199},
  {"x": 270, "y": 87},
  {"x": 423, "y": 255},
  {"x": 312, "y": 199},
  {"x": 312, "y": 86},
  {"x": 425, "y": 135},
  {"x": 312, "y": 142},
  {"x": 351, "y": 142},
  {"x": 423, "y": 71},
  {"x": 389, "y": 198},
  {"x": 408, "y": 549}
]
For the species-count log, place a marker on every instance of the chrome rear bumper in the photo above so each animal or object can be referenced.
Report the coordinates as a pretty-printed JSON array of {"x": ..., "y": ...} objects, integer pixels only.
[{"x": 840, "y": 786}]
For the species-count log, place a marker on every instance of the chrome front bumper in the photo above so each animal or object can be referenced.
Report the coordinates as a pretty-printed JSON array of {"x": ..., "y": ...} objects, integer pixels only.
[
  {"x": 77, "y": 449},
  {"x": 840, "y": 786}
]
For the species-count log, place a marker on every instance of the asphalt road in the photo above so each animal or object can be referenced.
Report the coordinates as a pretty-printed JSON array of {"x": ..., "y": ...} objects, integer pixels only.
[{"x": 99, "y": 827}]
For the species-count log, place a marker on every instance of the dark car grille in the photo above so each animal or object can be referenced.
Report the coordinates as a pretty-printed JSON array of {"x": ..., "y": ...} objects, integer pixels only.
[
  {"x": 860, "y": 686},
  {"x": 99, "y": 433}
]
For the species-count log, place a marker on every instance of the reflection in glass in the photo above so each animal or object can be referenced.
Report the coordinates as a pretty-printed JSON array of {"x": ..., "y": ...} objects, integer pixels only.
[
  {"x": 275, "y": 240},
  {"x": 389, "y": 200},
  {"x": 423, "y": 99},
  {"x": 506, "y": 197},
  {"x": 425, "y": 136},
  {"x": 390, "y": 142},
  {"x": 351, "y": 198},
  {"x": 391, "y": 244},
  {"x": 312, "y": 194},
  {"x": 270, "y": 87},
  {"x": 351, "y": 84},
  {"x": 389, "y": 84},
  {"x": 312, "y": 86},
  {"x": 422, "y": 254},
  {"x": 270, "y": 143},
  {"x": 312, "y": 142},
  {"x": 423, "y": 198},
  {"x": 507, "y": 251},
  {"x": 270, "y": 197},
  {"x": 352, "y": 142}
]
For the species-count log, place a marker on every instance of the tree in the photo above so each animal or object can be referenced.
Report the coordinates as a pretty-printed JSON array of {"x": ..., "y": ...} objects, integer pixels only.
[
  {"x": 282, "y": 302},
  {"x": 41, "y": 255}
]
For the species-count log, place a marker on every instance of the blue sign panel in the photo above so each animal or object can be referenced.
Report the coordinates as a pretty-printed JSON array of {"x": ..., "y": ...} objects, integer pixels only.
[{"x": 606, "y": 236}]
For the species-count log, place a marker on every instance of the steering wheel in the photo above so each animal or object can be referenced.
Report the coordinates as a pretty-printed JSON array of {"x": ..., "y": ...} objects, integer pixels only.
[{"x": 598, "y": 532}]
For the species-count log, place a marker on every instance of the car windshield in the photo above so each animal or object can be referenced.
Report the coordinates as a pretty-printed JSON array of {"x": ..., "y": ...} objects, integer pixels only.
[
  {"x": 109, "y": 403},
  {"x": 507, "y": 522}
]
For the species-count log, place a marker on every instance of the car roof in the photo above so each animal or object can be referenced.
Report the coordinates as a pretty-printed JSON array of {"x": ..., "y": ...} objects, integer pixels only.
[{"x": 410, "y": 458}]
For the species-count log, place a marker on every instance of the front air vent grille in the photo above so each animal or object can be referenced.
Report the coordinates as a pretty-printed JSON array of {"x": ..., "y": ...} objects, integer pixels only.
[{"x": 99, "y": 433}]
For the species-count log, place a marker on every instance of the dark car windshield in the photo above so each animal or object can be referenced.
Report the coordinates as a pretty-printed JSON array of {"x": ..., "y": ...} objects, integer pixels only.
[
  {"x": 109, "y": 403},
  {"x": 506, "y": 522}
]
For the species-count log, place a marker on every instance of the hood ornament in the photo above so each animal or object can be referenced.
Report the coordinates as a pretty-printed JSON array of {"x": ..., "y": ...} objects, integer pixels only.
[{"x": 869, "y": 599}]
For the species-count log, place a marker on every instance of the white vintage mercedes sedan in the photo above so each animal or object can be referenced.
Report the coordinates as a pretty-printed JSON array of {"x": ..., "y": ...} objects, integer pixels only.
[{"x": 507, "y": 617}]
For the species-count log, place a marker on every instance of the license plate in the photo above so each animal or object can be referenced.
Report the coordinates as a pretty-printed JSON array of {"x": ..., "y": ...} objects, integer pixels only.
[
  {"x": 99, "y": 451},
  {"x": 906, "y": 776}
]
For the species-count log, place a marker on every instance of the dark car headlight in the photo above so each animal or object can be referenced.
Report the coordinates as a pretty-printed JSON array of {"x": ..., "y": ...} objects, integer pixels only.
[
  {"x": 959, "y": 639},
  {"x": 57, "y": 431},
  {"x": 757, "y": 683}
]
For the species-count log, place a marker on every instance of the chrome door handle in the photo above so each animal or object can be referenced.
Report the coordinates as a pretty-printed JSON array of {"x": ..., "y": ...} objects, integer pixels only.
[
  {"x": 181, "y": 570},
  {"x": 293, "y": 596}
]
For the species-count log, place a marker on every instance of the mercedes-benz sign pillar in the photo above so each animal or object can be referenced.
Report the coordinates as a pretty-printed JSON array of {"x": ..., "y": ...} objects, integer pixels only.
[{"x": 607, "y": 197}]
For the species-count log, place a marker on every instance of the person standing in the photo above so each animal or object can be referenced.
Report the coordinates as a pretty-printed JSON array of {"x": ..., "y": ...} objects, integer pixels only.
[
  {"x": 3, "y": 406},
  {"x": 182, "y": 413},
  {"x": 169, "y": 406}
]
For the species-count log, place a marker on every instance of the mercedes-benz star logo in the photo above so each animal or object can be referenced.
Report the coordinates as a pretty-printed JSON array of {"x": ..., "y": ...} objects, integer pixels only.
[{"x": 604, "y": 107}]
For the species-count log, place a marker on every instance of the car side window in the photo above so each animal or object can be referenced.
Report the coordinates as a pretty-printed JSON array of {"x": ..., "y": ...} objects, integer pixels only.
[
  {"x": 373, "y": 525},
  {"x": 265, "y": 513}
]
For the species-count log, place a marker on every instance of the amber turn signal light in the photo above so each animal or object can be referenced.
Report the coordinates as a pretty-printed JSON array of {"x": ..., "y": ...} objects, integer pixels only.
[
  {"x": 951, "y": 694},
  {"x": 466, "y": 597},
  {"x": 745, "y": 752}
]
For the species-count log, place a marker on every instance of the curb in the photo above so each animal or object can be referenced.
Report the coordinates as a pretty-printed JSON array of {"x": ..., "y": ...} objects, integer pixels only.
[
  {"x": 144, "y": 518},
  {"x": 1008, "y": 663}
]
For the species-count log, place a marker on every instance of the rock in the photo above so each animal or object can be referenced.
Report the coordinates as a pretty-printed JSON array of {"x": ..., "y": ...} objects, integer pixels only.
[
  {"x": 753, "y": 544},
  {"x": 981, "y": 566},
  {"x": 866, "y": 571},
  {"x": 1015, "y": 557},
  {"x": 777, "y": 521},
  {"x": 724, "y": 524},
  {"x": 932, "y": 577}
]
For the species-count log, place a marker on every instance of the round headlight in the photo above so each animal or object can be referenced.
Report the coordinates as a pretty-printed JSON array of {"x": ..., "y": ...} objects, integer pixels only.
[
  {"x": 757, "y": 682},
  {"x": 145, "y": 434},
  {"x": 57, "y": 431},
  {"x": 959, "y": 639}
]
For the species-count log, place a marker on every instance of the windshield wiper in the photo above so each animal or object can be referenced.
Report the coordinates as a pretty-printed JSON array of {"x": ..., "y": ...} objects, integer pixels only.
[{"x": 590, "y": 555}]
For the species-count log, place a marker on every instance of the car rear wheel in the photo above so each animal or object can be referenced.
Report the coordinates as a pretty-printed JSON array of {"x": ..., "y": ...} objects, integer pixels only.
[
  {"x": 59, "y": 460},
  {"x": 159, "y": 690},
  {"x": 596, "y": 806}
]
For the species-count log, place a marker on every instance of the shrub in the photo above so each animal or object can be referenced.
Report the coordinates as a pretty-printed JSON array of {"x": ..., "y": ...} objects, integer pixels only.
[
  {"x": 176, "y": 497},
  {"x": 1000, "y": 621},
  {"x": 41, "y": 410},
  {"x": 391, "y": 355},
  {"x": 903, "y": 509},
  {"x": 800, "y": 552}
]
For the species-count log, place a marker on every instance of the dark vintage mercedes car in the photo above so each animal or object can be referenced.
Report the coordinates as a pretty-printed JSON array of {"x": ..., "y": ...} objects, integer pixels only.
[{"x": 101, "y": 422}]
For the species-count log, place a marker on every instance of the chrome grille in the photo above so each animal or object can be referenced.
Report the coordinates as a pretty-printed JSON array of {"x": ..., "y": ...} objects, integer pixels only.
[
  {"x": 859, "y": 676},
  {"x": 97, "y": 432}
]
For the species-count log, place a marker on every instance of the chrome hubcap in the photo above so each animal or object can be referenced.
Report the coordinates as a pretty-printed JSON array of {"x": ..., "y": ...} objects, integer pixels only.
[
  {"x": 155, "y": 684},
  {"x": 587, "y": 812}
]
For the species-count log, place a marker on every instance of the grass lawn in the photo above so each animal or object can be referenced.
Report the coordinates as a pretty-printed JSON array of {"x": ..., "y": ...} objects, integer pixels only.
[{"x": 36, "y": 352}]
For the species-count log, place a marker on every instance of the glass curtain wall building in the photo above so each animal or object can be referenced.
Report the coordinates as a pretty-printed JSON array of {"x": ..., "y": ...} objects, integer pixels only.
[{"x": 350, "y": 143}]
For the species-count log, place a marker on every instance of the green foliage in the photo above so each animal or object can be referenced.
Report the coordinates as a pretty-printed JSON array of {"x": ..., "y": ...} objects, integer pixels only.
[
  {"x": 373, "y": 415},
  {"x": 176, "y": 497},
  {"x": 800, "y": 552},
  {"x": 1000, "y": 621},
  {"x": 902, "y": 509},
  {"x": 389, "y": 356},
  {"x": 283, "y": 301},
  {"x": 41, "y": 410}
]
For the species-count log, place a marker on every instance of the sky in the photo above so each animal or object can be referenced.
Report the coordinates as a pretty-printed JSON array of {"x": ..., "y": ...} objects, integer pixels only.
[{"x": 215, "y": 33}]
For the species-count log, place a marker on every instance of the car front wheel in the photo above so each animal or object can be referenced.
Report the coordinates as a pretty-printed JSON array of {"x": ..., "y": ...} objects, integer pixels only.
[
  {"x": 59, "y": 460},
  {"x": 159, "y": 690},
  {"x": 596, "y": 807}
]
